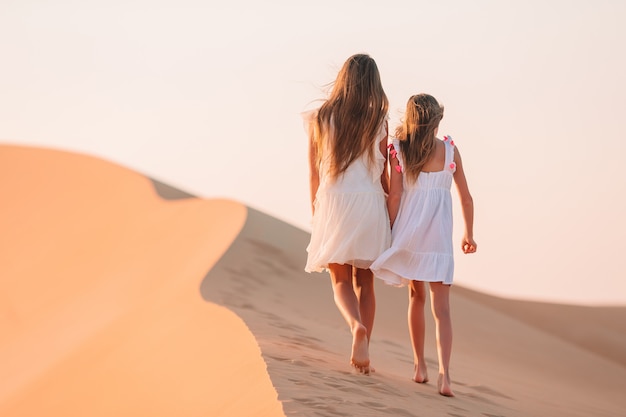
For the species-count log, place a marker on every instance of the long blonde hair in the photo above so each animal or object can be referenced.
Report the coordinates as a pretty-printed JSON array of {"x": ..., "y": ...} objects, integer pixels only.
[
  {"x": 417, "y": 133},
  {"x": 352, "y": 115}
]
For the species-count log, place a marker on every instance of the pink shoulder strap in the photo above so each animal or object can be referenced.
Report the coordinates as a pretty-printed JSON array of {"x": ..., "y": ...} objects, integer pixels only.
[{"x": 449, "y": 143}]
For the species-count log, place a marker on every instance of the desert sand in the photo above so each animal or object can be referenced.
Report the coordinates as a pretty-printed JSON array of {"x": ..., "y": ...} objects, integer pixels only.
[{"x": 121, "y": 295}]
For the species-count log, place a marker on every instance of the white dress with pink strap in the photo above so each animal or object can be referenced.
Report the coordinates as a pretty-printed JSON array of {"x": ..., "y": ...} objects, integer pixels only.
[{"x": 421, "y": 239}]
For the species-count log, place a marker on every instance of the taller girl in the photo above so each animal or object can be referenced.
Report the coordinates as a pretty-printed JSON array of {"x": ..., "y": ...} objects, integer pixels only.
[
  {"x": 420, "y": 209},
  {"x": 349, "y": 180}
]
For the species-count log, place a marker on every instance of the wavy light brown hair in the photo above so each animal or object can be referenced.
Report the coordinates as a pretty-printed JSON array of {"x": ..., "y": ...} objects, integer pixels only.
[
  {"x": 356, "y": 108},
  {"x": 417, "y": 133}
]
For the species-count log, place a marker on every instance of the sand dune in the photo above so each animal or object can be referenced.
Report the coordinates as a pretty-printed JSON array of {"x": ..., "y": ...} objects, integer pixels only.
[
  {"x": 121, "y": 295},
  {"x": 503, "y": 363},
  {"x": 99, "y": 303}
]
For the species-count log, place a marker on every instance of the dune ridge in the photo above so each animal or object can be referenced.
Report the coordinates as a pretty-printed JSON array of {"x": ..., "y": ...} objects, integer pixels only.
[
  {"x": 99, "y": 301},
  {"x": 598, "y": 329}
]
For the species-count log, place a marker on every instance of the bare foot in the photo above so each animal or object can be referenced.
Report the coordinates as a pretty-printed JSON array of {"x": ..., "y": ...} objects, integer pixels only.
[
  {"x": 360, "y": 358},
  {"x": 443, "y": 385},
  {"x": 420, "y": 375}
]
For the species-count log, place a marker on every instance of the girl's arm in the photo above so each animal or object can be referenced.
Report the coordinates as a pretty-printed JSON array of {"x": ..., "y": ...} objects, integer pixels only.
[
  {"x": 310, "y": 123},
  {"x": 384, "y": 178},
  {"x": 395, "y": 186},
  {"x": 467, "y": 205},
  {"x": 314, "y": 177}
]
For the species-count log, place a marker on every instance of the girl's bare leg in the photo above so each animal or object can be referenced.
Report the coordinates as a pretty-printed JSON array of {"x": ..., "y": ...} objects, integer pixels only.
[
  {"x": 348, "y": 304},
  {"x": 364, "y": 289},
  {"x": 417, "y": 329},
  {"x": 440, "y": 303}
]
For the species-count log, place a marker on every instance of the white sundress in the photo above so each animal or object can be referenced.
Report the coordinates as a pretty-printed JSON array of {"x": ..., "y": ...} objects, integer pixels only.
[
  {"x": 421, "y": 239},
  {"x": 351, "y": 223}
]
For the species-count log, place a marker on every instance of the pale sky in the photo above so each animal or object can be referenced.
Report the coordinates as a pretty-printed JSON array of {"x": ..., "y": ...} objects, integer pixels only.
[{"x": 207, "y": 98}]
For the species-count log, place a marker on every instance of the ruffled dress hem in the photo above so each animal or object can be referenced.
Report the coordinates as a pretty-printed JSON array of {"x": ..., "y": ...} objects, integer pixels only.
[
  {"x": 398, "y": 267},
  {"x": 324, "y": 268}
]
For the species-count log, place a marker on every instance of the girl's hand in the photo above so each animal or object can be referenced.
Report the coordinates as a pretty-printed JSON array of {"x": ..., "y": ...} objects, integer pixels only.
[{"x": 468, "y": 245}]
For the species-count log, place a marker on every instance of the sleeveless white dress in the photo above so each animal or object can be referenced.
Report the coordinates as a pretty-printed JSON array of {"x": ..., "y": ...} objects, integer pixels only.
[
  {"x": 351, "y": 223},
  {"x": 421, "y": 239}
]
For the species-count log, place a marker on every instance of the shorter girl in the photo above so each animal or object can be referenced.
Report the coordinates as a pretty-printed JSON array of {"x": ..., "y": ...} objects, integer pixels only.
[{"x": 420, "y": 212}]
